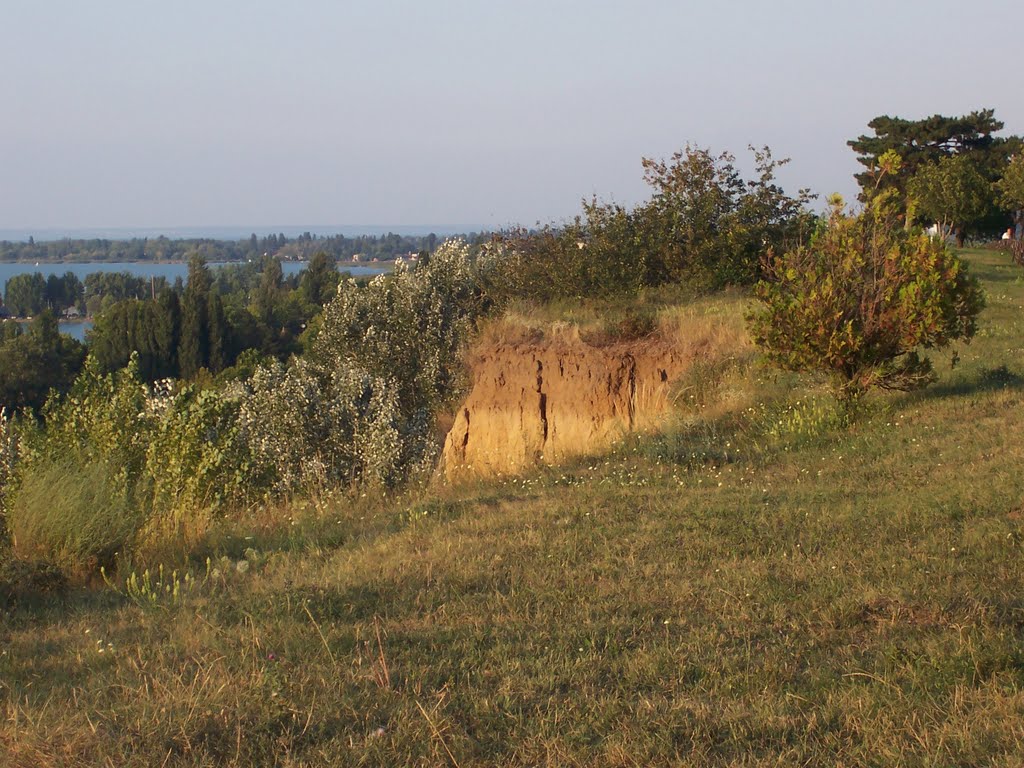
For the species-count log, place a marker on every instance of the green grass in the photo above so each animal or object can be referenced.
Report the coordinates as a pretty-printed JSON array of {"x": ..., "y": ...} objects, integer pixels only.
[{"x": 757, "y": 586}]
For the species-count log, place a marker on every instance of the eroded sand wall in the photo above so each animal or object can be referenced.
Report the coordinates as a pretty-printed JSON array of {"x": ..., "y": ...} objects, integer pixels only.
[{"x": 546, "y": 401}]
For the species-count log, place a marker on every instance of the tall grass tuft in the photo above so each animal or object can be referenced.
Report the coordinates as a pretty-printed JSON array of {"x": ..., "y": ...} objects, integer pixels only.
[{"x": 78, "y": 515}]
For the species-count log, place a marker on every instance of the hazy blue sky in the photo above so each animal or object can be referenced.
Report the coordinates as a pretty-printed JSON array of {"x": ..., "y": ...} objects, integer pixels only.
[{"x": 482, "y": 113}]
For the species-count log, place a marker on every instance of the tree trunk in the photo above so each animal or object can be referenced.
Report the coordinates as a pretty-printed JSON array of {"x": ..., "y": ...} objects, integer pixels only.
[{"x": 1017, "y": 250}]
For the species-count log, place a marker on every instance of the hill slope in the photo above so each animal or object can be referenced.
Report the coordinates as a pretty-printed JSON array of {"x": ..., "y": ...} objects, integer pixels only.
[{"x": 758, "y": 585}]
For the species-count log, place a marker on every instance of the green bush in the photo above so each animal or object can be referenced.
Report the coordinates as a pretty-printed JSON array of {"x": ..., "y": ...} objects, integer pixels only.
[
  {"x": 861, "y": 301},
  {"x": 81, "y": 491},
  {"x": 308, "y": 431},
  {"x": 388, "y": 356},
  {"x": 602, "y": 253},
  {"x": 411, "y": 327},
  {"x": 133, "y": 469},
  {"x": 197, "y": 464}
]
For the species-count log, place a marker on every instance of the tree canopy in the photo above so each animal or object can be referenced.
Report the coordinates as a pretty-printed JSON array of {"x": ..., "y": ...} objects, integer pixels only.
[
  {"x": 952, "y": 193},
  {"x": 35, "y": 362},
  {"x": 925, "y": 142},
  {"x": 1010, "y": 190}
]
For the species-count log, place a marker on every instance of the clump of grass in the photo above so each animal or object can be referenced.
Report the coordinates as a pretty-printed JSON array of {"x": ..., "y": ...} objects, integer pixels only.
[
  {"x": 798, "y": 423},
  {"x": 25, "y": 580},
  {"x": 635, "y": 324},
  {"x": 76, "y": 516}
]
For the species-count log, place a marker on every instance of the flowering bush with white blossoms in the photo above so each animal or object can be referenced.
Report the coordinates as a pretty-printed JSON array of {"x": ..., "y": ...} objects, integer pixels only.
[
  {"x": 306, "y": 429},
  {"x": 8, "y": 458},
  {"x": 410, "y": 326},
  {"x": 360, "y": 409}
]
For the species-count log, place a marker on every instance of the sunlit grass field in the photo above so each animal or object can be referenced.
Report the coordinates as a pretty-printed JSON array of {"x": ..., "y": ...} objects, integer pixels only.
[{"x": 761, "y": 584}]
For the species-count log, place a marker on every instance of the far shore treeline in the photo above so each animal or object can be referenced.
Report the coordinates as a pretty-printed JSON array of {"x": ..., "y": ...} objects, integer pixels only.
[{"x": 301, "y": 248}]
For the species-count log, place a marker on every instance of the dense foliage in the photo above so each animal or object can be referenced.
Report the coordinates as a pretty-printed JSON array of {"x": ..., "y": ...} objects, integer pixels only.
[
  {"x": 1010, "y": 189},
  {"x": 205, "y": 325},
  {"x": 705, "y": 226},
  {"x": 861, "y": 300},
  {"x": 360, "y": 407},
  {"x": 120, "y": 467},
  {"x": 29, "y": 293},
  {"x": 140, "y": 467},
  {"x": 26, "y": 295},
  {"x": 952, "y": 193}
]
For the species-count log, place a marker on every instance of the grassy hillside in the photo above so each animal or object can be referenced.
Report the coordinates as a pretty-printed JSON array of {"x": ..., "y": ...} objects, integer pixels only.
[{"x": 758, "y": 585}]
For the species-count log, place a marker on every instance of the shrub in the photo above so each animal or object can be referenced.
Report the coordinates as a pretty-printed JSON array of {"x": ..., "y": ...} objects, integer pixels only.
[
  {"x": 410, "y": 326},
  {"x": 861, "y": 301},
  {"x": 104, "y": 418},
  {"x": 599, "y": 254},
  {"x": 306, "y": 431},
  {"x": 388, "y": 356},
  {"x": 197, "y": 463},
  {"x": 707, "y": 224}
]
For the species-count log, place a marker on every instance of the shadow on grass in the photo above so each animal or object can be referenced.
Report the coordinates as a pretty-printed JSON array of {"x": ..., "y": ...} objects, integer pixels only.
[
  {"x": 988, "y": 380},
  {"x": 999, "y": 273}
]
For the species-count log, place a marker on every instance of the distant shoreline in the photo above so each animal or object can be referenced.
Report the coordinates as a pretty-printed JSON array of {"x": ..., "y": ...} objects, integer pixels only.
[
  {"x": 226, "y": 233},
  {"x": 61, "y": 320},
  {"x": 41, "y": 262}
]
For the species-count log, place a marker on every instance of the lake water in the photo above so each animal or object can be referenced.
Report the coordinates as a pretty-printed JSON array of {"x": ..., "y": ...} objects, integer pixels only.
[
  {"x": 77, "y": 330},
  {"x": 169, "y": 270}
]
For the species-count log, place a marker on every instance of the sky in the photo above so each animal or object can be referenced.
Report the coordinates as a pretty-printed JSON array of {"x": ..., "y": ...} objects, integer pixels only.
[{"x": 457, "y": 113}]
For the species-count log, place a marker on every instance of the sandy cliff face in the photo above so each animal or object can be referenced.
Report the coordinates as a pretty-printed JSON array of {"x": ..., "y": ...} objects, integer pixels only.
[{"x": 545, "y": 401}]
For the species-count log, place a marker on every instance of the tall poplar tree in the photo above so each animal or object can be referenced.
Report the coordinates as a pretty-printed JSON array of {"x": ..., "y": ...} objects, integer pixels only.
[
  {"x": 167, "y": 333},
  {"x": 319, "y": 280},
  {"x": 218, "y": 335},
  {"x": 194, "y": 345},
  {"x": 269, "y": 290}
]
